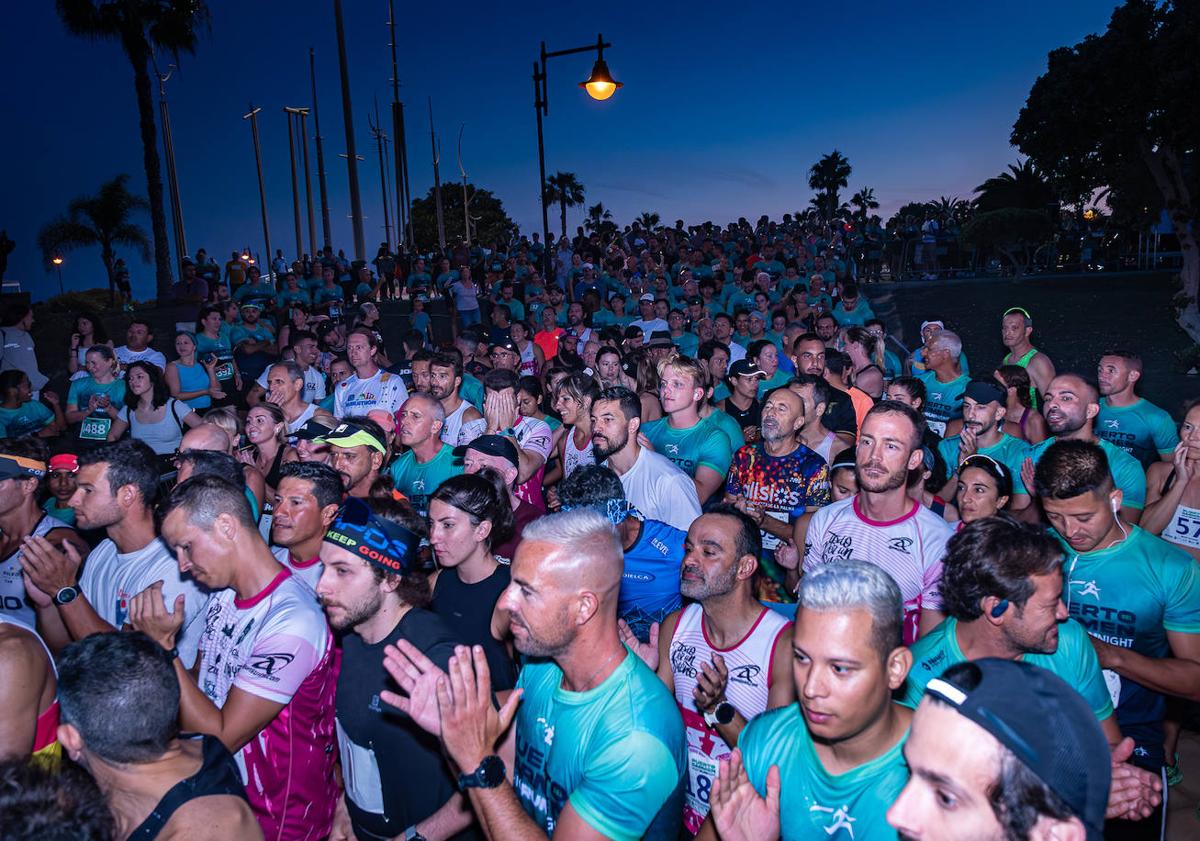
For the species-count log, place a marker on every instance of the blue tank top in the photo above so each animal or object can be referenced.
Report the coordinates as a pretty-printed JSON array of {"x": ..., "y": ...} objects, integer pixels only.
[
  {"x": 194, "y": 377},
  {"x": 650, "y": 584}
]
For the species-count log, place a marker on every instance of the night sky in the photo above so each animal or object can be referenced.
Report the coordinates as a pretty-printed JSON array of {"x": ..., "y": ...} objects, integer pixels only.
[{"x": 725, "y": 106}]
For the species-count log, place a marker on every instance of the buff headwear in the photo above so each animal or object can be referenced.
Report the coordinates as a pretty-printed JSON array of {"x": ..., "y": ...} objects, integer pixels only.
[{"x": 359, "y": 530}]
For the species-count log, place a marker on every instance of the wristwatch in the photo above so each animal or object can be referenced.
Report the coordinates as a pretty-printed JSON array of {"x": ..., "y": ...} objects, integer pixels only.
[
  {"x": 722, "y": 714},
  {"x": 489, "y": 774},
  {"x": 412, "y": 834},
  {"x": 66, "y": 595}
]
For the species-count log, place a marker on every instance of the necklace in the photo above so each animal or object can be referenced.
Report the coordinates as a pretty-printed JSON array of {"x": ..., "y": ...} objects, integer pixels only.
[{"x": 587, "y": 683}]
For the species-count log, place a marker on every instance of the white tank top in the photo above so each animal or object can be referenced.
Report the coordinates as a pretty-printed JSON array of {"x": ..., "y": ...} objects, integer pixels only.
[
  {"x": 13, "y": 603},
  {"x": 572, "y": 457},
  {"x": 300, "y": 420},
  {"x": 453, "y": 423},
  {"x": 17, "y": 623},
  {"x": 749, "y": 665},
  {"x": 528, "y": 362},
  {"x": 1184, "y": 528},
  {"x": 825, "y": 448}
]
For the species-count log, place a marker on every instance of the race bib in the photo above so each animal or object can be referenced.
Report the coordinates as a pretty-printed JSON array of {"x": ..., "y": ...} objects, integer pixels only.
[
  {"x": 224, "y": 371},
  {"x": 360, "y": 774},
  {"x": 702, "y": 771},
  {"x": 95, "y": 429},
  {"x": 1112, "y": 681},
  {"x": 1185, "y": 528},
  {"x": 770, "y": 541}
]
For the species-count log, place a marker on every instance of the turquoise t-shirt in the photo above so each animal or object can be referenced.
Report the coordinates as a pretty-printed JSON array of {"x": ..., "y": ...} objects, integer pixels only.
[
  {"x": 779, "y": 378},
  {"x": 471, "y": 390},
  {"x": 1126, "y": 471},
  {"x": 860, "y": 315},
  {"x": 730, "y": 427},
  {"x": 27, "y": 419},
  {"x": 1130, "y": 595},
  {"x": 1009, "y": 451},
  {"x": 419, "y": 280},
  {"x": 67, "y": 515},
  {"x": 259, "y": 333},
  {"x": 701, "y": 445},
  {"x": 943, "y": 401},
  {"x": 260, "y": 292},
  {"x": 688, "y": 343},
  {"x": 814, "y": 803},
  {"x": 1074, "y": 661},
  {"x": 617, "y": 753},
  {"x": 1143, "y": 430},
  {"x": 81, "y": 392},
  {"x": 418, "y": 481},
  {"x": 285, "y": 298}
]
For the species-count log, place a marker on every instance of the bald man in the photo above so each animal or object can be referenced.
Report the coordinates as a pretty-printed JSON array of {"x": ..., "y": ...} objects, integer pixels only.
[
  {"x": 209, "y": 436},
  {"x": 1070, "y": 406},
  {"x": 617, "y": 765}
]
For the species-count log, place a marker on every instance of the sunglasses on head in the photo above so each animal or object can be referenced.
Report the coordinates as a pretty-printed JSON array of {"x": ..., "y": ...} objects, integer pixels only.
[{"x": 1018, "y": 310}]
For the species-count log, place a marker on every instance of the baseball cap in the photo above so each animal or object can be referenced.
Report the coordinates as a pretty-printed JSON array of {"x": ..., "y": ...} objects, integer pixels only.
[
  {"x": 935, "y": 322},
  {"x": 1044, "y": 722},
  {"x": 985, "y": 391},
  {"x": 646, "y": 296},
  {"x": 65, "y": 461},
  {"x": 758, "y": 314},
  {"x": 505, "y": 343},
  {"x": 694, "y": 300},
  {"x": 491, "y": 445},
  {"x": 348, "y": 435},
  {"x": 250, "y": 305},
  {"x": 19, "y": 467},
  {"x": 311, "y": 430},
  {"x": 660, "y": 338},
  {"x": 746, "y": 368}
]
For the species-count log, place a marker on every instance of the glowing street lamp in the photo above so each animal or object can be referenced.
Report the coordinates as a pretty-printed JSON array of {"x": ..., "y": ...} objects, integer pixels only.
[
  {"x": 600, "y": 85},
  {"x": 57, "y": 260}
]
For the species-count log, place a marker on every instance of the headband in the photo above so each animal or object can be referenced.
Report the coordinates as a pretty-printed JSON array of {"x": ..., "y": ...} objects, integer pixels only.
[{"x": 387, "y": 545}]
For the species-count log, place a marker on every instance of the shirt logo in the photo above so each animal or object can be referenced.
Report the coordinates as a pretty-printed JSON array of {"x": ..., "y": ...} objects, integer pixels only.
[
  {"x": 745, "y": 674},
  {"x": 840, "y": 819},
  {"x": 900, "y": 544},
  {"x": 673, "y": 449},
  {"x": 1089, "y": 588},
  {"x": 1112, "y": 423}
]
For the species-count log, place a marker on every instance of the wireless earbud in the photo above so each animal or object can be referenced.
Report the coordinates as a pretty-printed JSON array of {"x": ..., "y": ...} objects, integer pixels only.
[{"x": 999, "y": 609}]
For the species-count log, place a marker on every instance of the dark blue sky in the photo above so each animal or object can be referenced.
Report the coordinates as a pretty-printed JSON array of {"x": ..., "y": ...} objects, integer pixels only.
[{"x": 725, "y": 106}]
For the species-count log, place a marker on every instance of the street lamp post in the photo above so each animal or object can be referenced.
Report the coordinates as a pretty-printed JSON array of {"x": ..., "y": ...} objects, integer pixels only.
[
  {"x": 57, "y": 260},
  {"x": 599, "y": 85},
  {"x": 262, "y": 190}
]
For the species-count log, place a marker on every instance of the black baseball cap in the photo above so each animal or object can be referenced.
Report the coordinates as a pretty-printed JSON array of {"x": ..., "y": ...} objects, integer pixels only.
[
  {"x": 985, "y": 391},
  {"x": 660, "y": 338},
  {"x": 311, "y": 430},
  {"x": 507, "y": 344},
  {"x": 1044, "y": 722},
  {"x": 746, "y": 368},
  {"x": 491, "y": 445}
]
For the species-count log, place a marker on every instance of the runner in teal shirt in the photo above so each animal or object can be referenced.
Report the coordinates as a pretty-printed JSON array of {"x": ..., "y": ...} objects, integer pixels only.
[
  {"x": 943, "y": 400},
  {"x": 1126, "y": 471},
  {"x": 703, "y": 444},
  {"x": 1074, "y": 661},
  {"x": 819, "y": 803},
  {"x": 418, "y": 481},
  {"x": 1142, "y": 429},
  {"x": 616, "y": 752}
]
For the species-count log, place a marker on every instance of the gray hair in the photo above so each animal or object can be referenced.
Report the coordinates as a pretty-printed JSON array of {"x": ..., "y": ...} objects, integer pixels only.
[
  {"x": 436, "y": 409},
  {"x": 856, "y": 585},
  {"x": 583, "y": 532},
  {"x": 947, "y": 341},
  {"x": 294, "y": 371}
]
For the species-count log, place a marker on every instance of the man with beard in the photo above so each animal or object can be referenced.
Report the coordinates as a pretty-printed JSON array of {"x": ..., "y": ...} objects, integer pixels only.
[
  {"x": 834, "y": 759},
  {"x": 1071, "y": 406},
  {"x": 983, "y": 409},
  {"x": 723, "y": 333},
  {"x": 597, "y": 746},
  {"x": 428, "y": 460},
  {"x": 724, "y": 656},
  {"x": 357, "y": 451},
  {"x": 370, "y": 387},
  {"x": 655, "y": 486},
  {"x": 881, "y": 523},
  {"x": 1133, "y": 423},
  {"x": 809, "y": 358},
  {"x": 306, "y": 502},
  {"x": 375, "y": 594},
  {"x": 305, "y": 353},
  {"x": 445, "y": 384},
  {"x": 1002, "y": 751},
  {"x": 420, "y": 363},
  {"x": 1137, "y": 595},
  {"x": 777, "y": 480}
]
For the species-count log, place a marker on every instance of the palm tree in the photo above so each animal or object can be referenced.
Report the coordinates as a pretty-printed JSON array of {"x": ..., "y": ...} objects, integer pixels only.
[
  {"x": 827, "y": 176},
  {"x": 143, "y": 27},
  {"x": 599, "y": 219},
  {"x": 104, "y": 219},
  {"x": 864, "y": 202},
  {"x": 1022, "y": 186},
  {"x": 563, "y": 189},
  {"x": 648, "y": 220}
]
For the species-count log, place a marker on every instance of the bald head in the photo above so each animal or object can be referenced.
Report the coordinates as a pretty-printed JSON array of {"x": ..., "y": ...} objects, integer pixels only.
[
  {"x": 579, "y": 549},
  {"x": 1075, "y": 384},
  {"x": 206, "y": 436}
]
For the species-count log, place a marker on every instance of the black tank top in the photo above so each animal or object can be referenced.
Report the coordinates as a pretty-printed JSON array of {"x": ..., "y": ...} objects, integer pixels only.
[
  {"x": 218, "y": 774},
  {"x": 467, "y": 609}
]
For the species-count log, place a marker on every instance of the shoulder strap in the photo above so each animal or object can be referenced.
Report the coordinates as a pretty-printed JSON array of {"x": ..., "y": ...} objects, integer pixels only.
[{"x": 174, "y": 413}]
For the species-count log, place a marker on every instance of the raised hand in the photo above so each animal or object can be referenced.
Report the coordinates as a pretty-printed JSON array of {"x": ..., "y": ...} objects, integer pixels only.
[
  {"x": 471, "y": 724},
  {"x": 1134, "y": 792},
  {"x": 148, "y": 613},
  {"x": 417, "y": 677},
  {"x": 1027, "y": 477},
  {"x": 647, "y": 651},
  {"x": 787, "y": 555},
  {"x": 711, "y": 681},
  {"x": 49, "y": 567},
  {"x": 1183, "y": 469},
  {"x": 738, "y": 811}
]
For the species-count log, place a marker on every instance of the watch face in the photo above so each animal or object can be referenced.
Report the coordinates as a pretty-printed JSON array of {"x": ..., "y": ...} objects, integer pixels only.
[
  {"x": 491, "y": 771},
  {"x": 66, "y": 595},
  {"x": 724, "y": 713}
]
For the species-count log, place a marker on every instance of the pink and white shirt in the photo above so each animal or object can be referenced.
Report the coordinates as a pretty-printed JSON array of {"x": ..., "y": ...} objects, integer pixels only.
[
  {"x": 749, "y": 662},
  {"x": 909, "y": 549},
  {"x": 278, "y": 646}
]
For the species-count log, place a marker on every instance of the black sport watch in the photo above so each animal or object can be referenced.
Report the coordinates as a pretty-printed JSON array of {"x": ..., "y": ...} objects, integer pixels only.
[
  {"x": 723, "y": 713},
  {"x": 66, "y": 595},
  {"x": 489, "y": 774}
]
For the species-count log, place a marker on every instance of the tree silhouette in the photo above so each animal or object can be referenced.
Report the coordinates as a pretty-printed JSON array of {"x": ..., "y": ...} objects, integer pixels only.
[
  {"x": 648, "y": 220},
  {"x": 489, "y": 221},
  {"x": 106, "y": 220},
  {"x": 599, "y": 220},
  {"x": 828, "y": 176},
  {"x": 1021, "y": 186},
  {"x": 563, "y": 189},
  {"x": 864, "y": 202}
]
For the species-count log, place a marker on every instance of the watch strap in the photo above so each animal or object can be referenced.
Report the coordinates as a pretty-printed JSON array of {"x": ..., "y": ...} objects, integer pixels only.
[{"x": 71, "y": 592}]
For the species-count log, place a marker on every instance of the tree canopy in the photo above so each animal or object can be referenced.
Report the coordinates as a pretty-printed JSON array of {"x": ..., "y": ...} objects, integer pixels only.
[{"x": 489, "y": 221}]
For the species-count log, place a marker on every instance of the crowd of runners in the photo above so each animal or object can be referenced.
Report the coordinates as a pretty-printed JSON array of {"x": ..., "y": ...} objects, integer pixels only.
[{"x": 660, "y": 535}]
